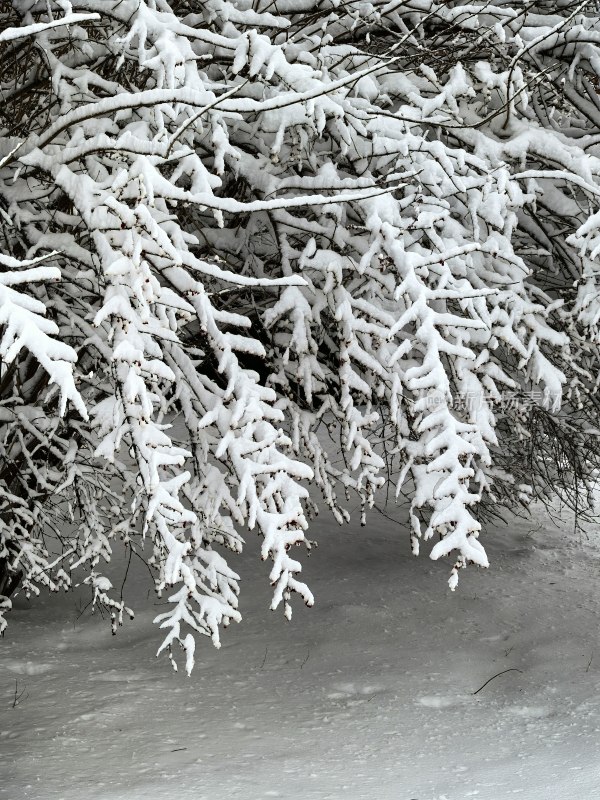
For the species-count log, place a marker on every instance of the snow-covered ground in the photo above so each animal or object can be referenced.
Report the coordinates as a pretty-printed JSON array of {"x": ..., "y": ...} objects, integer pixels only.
[{"x": 369, "y": 695}]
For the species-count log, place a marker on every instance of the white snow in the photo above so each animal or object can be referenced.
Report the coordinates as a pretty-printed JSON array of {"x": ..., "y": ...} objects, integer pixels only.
[
  {"x": 367, "y": 695},
  {"x": 10, "y": 34}
]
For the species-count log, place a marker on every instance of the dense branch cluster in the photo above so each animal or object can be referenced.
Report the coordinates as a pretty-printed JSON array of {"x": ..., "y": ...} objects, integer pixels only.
[{"x": 247, "y": 247}]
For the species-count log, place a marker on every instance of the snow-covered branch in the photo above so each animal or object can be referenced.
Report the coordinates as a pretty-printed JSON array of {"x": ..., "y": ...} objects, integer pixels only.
[{"x": 227, "y": 230}]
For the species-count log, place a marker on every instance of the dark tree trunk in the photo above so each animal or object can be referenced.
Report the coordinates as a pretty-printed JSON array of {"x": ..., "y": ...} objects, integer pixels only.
[{"x": 9, "y": 579}]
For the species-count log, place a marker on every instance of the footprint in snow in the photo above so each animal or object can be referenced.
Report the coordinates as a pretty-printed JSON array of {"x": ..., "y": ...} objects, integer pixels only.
[
  {"x": 26, "y": 667},
  {"x": 530, "y": 712},
  {"x": 344, "y": 691},
  {"x": 119, "y": 677},
  {"x": 438, "y": 701},
  {"x": 90, "y": 717}
]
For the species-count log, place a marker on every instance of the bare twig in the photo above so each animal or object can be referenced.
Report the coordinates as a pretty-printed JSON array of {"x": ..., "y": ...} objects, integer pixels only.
[
  {"x": 264, "y": 657},
  {"x": 19, "y": 695},
  {"x": 510, "y": 669}
]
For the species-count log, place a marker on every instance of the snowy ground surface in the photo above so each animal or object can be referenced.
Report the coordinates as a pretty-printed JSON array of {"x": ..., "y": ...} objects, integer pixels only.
[{"x": 367, "y": 695}]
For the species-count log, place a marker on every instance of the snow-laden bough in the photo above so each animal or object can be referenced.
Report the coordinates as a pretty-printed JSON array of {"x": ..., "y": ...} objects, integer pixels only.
[{"x": 248, "y": 248}]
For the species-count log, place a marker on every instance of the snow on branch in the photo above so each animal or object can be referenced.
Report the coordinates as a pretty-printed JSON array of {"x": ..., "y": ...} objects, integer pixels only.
[
  {"x": 249, "y": 251},
  {"x": 11, "y": 34}
]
